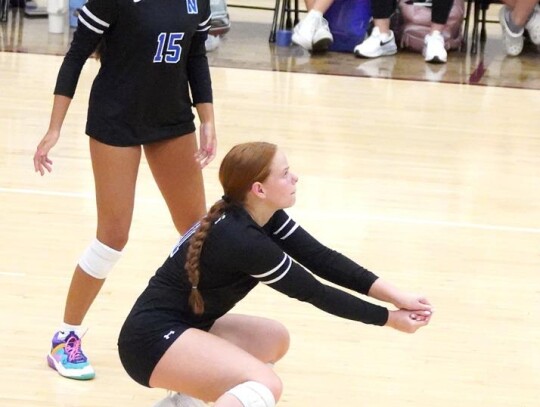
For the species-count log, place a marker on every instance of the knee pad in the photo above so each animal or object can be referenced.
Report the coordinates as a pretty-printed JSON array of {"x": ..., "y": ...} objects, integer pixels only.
[
  {"x": 253, "y": 394},
  {"x": 98, "y": 259}
]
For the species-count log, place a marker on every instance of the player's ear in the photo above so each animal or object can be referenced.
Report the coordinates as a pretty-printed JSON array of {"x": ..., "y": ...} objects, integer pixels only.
[{"x": 258, "y": 190}]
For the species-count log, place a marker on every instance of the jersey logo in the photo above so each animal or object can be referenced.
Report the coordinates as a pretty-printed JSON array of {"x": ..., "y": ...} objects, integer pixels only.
[
  {"x": 220, "y": 219},
  {"x": 192, "y": 7},
  {"x": 168, "y": 336}
]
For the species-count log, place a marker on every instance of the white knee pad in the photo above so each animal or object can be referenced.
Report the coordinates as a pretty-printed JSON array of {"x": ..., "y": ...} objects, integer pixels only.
[
  {"x": 253, "y": 394},
  {"x": 98, "y": 259}
]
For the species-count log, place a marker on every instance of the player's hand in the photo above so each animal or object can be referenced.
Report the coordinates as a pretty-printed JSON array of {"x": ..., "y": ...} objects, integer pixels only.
[
  {"x": 407, "y": 321},
  {"x": 413, "y": 302},
  {"x": 42, "y": 161},
  {"x": 207, "y": 145}
]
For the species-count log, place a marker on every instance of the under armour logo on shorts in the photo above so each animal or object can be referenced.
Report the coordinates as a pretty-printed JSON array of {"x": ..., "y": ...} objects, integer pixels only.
[{"x": 168, "y": 336}]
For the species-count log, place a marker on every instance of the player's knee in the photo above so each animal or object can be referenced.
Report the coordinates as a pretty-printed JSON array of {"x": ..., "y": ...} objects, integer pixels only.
[
  {"x": 257, "y": 394},
  {"x": 115, "y": 237},
  {"x": 98, "y": 259},
  {"x": 281, "y": 338}
]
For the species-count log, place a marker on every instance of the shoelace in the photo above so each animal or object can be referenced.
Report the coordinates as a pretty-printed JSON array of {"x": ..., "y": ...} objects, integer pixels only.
[{"x": 73, "y": 350}]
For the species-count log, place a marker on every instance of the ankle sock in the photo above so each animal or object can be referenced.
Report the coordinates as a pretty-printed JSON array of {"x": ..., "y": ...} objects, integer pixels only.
[
  {"x": 385, "y": 36},
  {"x": 314, "y": 14},
  {"x": 65, "y": 329}
]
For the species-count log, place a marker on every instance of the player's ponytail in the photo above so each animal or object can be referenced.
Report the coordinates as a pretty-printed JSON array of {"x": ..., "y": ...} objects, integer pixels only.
[{"x": 193, "y": 256}]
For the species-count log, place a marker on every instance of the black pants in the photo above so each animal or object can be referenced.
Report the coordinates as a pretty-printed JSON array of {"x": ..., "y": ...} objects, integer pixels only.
[{"x": 440, "y": 9}]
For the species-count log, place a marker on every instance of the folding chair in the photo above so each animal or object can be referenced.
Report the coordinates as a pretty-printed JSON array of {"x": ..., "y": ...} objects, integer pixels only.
[{"x": 282, "y": 12}]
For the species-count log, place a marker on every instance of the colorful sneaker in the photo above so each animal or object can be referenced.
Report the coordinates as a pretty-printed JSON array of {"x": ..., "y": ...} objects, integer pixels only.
[
  {"x": 513, "y": 42},
  {"x": 179, "y": 400},
  {"x": 434, "y": 50},
  {"x": 376, "y": 45},
  {"x": 533, "y": 25},
  {"x": 67, "y": 357}
]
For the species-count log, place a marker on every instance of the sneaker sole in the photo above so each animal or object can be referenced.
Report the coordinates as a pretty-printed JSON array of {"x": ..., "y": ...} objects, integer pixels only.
[
  {"x": 376, "y": 55},
  {"x": 321, "y": 45},
  {"x": 436, "y": 60},
  {"x": 82, "y": 375}
]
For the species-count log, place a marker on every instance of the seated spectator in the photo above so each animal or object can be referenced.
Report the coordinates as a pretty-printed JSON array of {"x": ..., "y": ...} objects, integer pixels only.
[
  {"x": 516, "y": 17},
  {"x": 382, "y": 42},
  {"x": 313, "y": 33}
]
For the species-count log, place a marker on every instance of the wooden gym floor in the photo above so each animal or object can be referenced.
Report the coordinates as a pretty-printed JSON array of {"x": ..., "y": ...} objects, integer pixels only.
[{"x": 432, "y": 185}]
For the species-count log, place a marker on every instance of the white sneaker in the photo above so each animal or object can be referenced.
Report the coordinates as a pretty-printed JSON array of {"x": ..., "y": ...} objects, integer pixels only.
[
  {"x": 533, "y": 25},
  {"x": 179, "y": 400},
  {"x": 434, "y": 50},
  {"x": 376, "y": 45},
  {"x": 513, "y": 43},
  {"x": 313, "y": 33},
  {"x": 212, "y": 43},
  {"x": 323, "y": 38}
]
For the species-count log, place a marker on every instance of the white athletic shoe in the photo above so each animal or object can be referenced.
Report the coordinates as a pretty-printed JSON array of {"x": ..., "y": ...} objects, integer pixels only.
[
  {"x": 179, "y": 400},
  {"x": 212, "y": 43},
  {"x": 434, "y": 50},
  {"x": 313, "y": 33},
  {"x": 376, "y": 45},
  {"x": 323, "y": 38},
  {"x": 533, "y": 25},
  {"x": 513, "y": 43}
]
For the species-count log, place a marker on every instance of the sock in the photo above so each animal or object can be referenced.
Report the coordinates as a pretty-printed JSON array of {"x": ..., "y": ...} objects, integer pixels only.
[
  {"x": 385, "y": 36},
  {"x": 65, "y": 329},
  {"x": 314, "y": 14},
  {"x": 516, "y": 29}
]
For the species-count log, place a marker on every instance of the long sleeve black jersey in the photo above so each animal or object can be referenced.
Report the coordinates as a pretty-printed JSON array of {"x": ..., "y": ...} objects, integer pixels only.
[
  {"x": 154, "y": 55},
  {"x": 238, "y": 254}
]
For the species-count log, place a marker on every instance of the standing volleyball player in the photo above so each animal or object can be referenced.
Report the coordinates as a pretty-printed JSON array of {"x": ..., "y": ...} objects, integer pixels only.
[
  {"x": 180, "y": 335},
  {"x": 153, "y": 69}
]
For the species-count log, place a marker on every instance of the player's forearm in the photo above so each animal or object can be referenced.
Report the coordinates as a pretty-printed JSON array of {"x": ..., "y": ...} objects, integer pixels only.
[
  {"x": 384, "y": 291},
  {"x": 60, "y": 107},
  {"x": 205, "y": 112}
]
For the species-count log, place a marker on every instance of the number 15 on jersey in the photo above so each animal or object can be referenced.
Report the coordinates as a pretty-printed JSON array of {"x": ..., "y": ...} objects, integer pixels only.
[{"x": 168, "y": 48}]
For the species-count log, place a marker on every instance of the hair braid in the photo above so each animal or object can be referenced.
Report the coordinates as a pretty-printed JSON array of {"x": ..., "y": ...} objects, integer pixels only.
[{"x": 193, "y": 257}]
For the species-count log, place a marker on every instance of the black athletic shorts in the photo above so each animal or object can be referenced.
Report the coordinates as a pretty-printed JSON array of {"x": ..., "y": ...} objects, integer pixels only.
[
  {"x": 120, "y": 137},
  {"x": 144, "y": 339}
]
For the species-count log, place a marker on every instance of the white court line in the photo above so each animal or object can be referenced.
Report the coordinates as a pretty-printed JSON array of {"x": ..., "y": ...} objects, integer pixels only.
[
  {"x": 47, "y": 193},
  {"x": 11, "y": 274},
  {"x": 389, "y": 219}
]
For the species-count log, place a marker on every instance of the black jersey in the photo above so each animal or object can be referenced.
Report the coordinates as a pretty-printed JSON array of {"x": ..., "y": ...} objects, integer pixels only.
[
  {"x": 238, "y": 254},
  {"x": 154, "y": 55}
]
